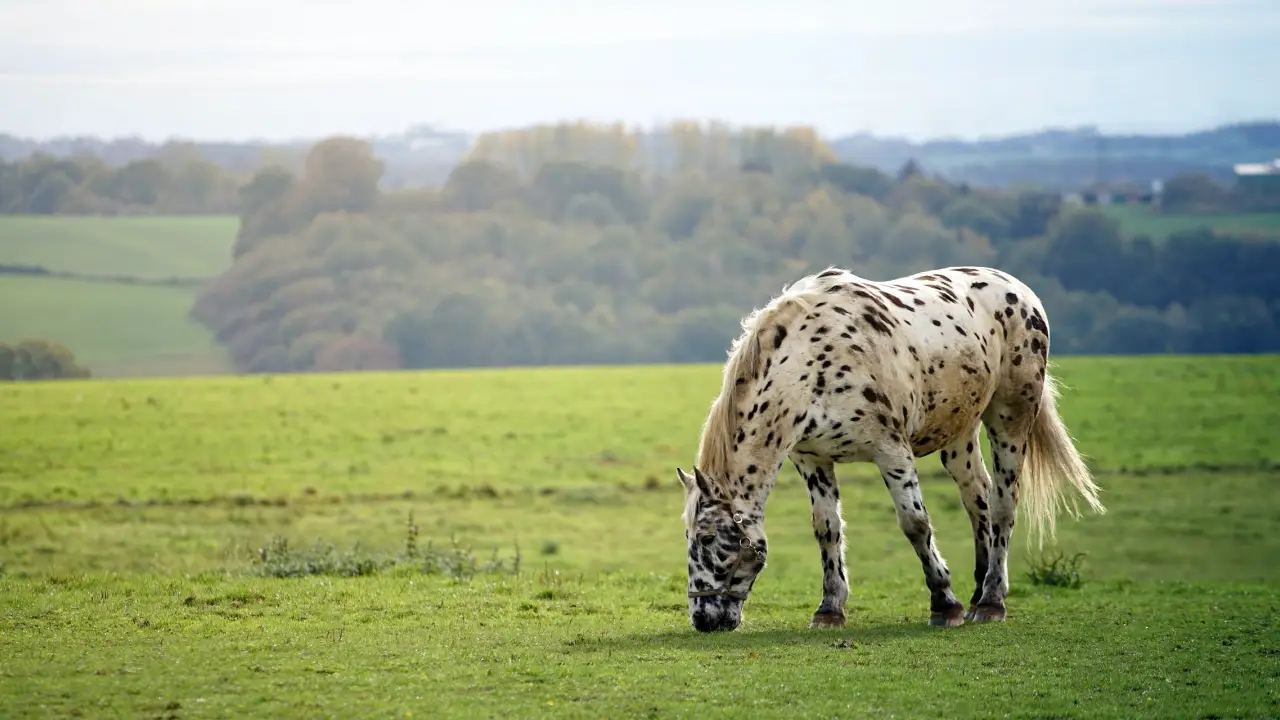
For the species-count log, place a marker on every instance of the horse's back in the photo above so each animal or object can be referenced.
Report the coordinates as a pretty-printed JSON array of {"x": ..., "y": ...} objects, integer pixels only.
[{"x": 917, "y": 359}]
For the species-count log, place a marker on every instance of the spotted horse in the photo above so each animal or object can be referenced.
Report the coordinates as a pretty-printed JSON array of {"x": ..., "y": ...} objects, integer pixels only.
[{"x": 840, "y": 369}]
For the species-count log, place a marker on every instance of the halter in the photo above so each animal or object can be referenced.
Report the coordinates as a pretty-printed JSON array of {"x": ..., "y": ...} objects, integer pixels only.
[{"x": 745, "y": 550}]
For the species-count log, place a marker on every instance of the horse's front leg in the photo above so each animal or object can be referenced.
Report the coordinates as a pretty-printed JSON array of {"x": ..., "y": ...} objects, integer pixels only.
[
  {"x": 899, "y": 472},
  {"x": 828, "y": 528}
]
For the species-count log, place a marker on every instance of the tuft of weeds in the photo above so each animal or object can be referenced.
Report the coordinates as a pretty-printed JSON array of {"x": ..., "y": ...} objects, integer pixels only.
[
  {"x": 1056, "y": 570},
  {"x": 457, "y": 561},
  {"x": 278, "y": 559}
]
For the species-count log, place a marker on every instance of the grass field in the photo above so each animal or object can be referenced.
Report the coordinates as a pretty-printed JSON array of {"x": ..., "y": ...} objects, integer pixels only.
[
  {"x": 1141, "y": 220},
  {"x": 140, "y": 247},
  {"x": 116, "y": 329},
  {"x": 138, "y": 523}
]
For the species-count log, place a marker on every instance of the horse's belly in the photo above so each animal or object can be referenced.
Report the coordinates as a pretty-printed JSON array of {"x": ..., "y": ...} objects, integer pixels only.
[{"x": 846, "y": 450}]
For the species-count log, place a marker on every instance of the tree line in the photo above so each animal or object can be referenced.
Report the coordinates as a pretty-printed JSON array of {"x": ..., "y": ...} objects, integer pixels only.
[
  {"x": 179, "y": 181},
  {"x": 578, "y": 244},
  {"x": 90, "y": 176}
]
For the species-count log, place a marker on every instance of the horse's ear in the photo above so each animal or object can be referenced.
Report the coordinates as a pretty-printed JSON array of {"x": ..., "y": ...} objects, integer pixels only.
[
  {"x": 686, "y": 480},
  {"x": 707, "y": 487}
]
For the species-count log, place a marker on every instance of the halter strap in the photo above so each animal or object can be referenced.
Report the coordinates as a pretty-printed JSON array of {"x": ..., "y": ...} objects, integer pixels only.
[{"x": 745, "y": 550}]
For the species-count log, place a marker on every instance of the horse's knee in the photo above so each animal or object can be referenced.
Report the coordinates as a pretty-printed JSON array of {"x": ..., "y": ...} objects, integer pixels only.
[{"x": 915, "y": 525}]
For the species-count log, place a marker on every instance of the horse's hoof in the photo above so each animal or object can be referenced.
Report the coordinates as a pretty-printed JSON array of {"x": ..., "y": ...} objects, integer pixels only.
[
  {"x": 827, "y": 620},
  {"x": 951, "y": 617},
  {"x": 987, "y": 613}
]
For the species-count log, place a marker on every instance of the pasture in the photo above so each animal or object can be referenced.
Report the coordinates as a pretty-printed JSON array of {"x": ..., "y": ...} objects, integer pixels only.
[
  {"x": 1141, "y": 220},
  {"x": 151, "y": 247},
  {"x": 243, "y": 547},
  {"x": 116, "y": 328}
]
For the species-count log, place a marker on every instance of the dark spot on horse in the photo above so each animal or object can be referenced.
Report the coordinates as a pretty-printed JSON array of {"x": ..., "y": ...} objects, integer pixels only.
[
  {"x": 778, "y": 337},
  {"x": 1010, "y": 298},
  {"x": 894, "y": 299},
  {"x": 877, "y": 322}
]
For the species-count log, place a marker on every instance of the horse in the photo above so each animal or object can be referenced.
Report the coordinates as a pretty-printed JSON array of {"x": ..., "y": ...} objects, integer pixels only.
[{"x": 840, "y": 369}]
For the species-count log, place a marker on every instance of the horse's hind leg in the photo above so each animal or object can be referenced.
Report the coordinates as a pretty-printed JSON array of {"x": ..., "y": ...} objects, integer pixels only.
[
  {"x": 963, "y": 460},
  {"x": 828, "y": 530},
  {"x": 1008, "y": 429},
  {"x": 899, "y": 473}
]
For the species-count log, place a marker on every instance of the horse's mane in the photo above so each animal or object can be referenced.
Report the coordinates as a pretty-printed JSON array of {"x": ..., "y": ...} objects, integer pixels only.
[{"x": 746, "y": 355}]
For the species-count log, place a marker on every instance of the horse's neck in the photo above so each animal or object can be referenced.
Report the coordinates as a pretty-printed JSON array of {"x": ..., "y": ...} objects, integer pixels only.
[{"x": 751, "y": 496}]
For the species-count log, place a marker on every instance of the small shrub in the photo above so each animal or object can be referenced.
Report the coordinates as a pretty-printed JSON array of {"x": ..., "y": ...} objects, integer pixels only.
[
  {"x": 280, "y": 560},
  {"x": 1056, "y": 570},
  {"x": 455, "y": 561}
]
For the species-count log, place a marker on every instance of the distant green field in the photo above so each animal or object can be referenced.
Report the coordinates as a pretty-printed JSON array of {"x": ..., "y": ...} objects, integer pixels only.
[
  {"x": 115, "y": 329},
  {"x": 132, "y": 583},
  {"x": 142, "y": 247},
  {"x": 1140, "y": 220}
]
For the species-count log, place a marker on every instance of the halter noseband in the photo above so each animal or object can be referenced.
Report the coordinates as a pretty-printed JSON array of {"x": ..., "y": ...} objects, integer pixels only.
[{"x": 745, "y": 550}]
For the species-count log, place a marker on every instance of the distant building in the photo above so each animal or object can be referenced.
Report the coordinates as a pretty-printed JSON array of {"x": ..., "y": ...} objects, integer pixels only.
[{"x": 1263, "y": 177}]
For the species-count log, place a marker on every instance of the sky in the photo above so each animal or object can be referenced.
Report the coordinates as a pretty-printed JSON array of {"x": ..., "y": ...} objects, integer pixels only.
[{"x": 234, "y": 69}]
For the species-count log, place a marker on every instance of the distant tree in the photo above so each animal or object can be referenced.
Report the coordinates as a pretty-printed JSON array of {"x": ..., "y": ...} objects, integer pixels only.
[
  {"x": 264, "y": 209},
  {"x": 35, "y": 359},
  {"x": 860, "y": 180},
  {"x": 341, "y": 174},
  {"x": 477, "y": 185},
  {"x": 1192, "y": 192},
  {"x": 8, "y": 362},
  {"x": 969, "y": 212},
  {"x": 910, "y": 169},
  {"x": 1086, "y": 251},
  {"x": 1034, "y": 212},
  {"x": 141, "y": 182}
]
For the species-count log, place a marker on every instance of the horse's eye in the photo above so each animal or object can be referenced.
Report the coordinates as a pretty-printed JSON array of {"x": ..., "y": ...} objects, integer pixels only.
[{"x": 706, "y": 539}]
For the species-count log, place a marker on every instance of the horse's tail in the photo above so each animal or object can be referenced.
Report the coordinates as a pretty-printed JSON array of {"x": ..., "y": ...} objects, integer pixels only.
[
  {"x": 744, "y": 364},
  {"x": 1051, "y": 463}
]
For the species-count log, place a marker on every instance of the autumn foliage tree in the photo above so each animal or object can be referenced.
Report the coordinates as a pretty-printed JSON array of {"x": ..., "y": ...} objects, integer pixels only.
[{"x": 580, "y": 243}]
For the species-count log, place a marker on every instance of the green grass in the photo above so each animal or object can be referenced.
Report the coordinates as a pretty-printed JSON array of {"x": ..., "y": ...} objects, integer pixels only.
[
  {"x": 1142, "y": 220},
  {"x": 114, "y": 329},
  {"x": 140, "y": 247},
  {"x": 396, "y": 432},
  {"x": 132, "y": 513}
]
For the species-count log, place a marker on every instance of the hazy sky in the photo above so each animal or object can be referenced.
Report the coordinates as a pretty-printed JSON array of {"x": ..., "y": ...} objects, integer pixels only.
[{"x": 277, "y": 68}]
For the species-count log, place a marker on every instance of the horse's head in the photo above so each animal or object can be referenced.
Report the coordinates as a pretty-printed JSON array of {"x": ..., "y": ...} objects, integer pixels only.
[{"x": 727, "y": 549}]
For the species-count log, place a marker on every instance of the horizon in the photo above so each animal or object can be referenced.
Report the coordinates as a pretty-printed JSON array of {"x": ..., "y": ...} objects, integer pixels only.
[
  {"x": 473, "y": 134},
  {"x": 917, "y": 71}
]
